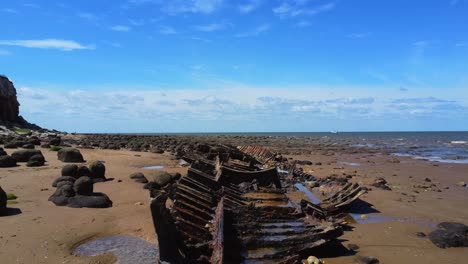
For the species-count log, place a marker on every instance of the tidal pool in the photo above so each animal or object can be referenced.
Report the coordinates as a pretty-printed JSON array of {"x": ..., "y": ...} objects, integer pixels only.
[
  {"x": 154, "y": 167},
  {"x": 127, "y": 249}
]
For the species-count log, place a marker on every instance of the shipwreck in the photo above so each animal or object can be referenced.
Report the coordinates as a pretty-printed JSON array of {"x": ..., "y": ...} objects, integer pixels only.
[{"x": 233, "y": 206}]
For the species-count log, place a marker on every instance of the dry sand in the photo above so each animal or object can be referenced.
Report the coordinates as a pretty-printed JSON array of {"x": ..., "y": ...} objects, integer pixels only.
[{"x": 45, "y": 233}]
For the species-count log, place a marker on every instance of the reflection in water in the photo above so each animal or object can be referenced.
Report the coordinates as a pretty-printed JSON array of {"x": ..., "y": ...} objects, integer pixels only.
[
  {"x": 155, "y": 167},
  {"x": 312, "y": 198},
  {"x": 127, "y": 249}
]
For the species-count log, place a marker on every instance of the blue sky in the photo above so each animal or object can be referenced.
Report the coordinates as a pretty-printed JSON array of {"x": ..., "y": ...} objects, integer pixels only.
[{"x": 245, "y": 65}]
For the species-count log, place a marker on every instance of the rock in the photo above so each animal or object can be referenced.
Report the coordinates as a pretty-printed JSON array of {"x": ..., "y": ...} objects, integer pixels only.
[
  {"x": 461, "y": 184},
  {"x": 70, "y": 155},
  {"x": 55, "y": 141},
  {"x": 62, "y": 195},
  {"x": 70, "y": 170},
  {"x": 450, "y": 234},
  {"x": 9, "y": 106},
  {"x": 25, "y": 154},
  {"x": 420, "y": 234},
  {"x": 83, "y": 186},
  {"x": 98, "y": 200},
  {"x": 98, "y": 171},
  {"x": 2, "y": 152},
  {"x": 382, "y": 184},
  {"x": 69, "y": 179},
  {"x": 83, "y": 171},
  {"x": 304, "y": 162},
  {"x": 138, "y": 177},
  {"x": 7, "y": 161},
  {"x": 161, "y": 178},
  {"x": 28, "y": 146},
  {"x": 36, "y": 161},
  {"x": 366, "y": 260},
  {"x": 176, "y": 176},
  {"x": 353, "y": 247},
  {"x": 314, "y": 260},
  {"x": 3, "y": 201},
  {"x": 10, "y": 145}
]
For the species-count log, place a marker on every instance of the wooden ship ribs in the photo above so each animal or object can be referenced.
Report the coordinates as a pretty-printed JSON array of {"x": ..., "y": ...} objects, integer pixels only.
[{"x": 209, "y": 215}]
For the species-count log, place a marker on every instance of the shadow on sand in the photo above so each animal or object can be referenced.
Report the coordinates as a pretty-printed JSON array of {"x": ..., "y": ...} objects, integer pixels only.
[{"x": 11, "y": 211}]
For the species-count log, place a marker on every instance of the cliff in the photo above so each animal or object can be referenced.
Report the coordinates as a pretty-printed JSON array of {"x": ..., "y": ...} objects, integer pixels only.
[{"x": 9, "y": 106}]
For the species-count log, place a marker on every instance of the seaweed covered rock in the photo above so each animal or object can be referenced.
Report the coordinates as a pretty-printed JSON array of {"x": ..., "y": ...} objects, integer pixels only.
[
  {"x": 98, "y": 171},
  {"x": 25, "y": 154},
  {"x": 70, "y": 155},
  {"x": 450, "y": 234},
  {"x": 7, "y": 161}
]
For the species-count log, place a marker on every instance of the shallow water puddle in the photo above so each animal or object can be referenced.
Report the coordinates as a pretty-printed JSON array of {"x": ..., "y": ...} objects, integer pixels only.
[
  {"x": 379, "y": 218},
  {"x": 353, "y": 164},
  {"x": 154, "y": 167},
  {"x": 127, "y": 249},
  {"x": 312, "y": 198}
]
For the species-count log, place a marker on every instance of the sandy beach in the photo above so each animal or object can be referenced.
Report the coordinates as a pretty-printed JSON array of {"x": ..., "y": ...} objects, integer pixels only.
[{"x": 40, "y": 232}]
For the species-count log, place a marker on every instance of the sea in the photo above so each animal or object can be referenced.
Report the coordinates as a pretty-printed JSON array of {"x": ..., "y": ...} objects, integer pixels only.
[{"x": 445, "y": 147}]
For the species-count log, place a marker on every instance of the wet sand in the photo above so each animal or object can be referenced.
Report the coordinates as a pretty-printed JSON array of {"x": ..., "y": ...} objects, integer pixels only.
[{"x": 45, "y": 233}]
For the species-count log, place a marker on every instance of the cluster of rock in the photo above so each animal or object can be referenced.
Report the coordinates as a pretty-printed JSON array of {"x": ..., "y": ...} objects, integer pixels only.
[
  {"x": 75, "y": 187},
  {"x": 9, "y": 106},
  {"x": 33, "y": 157}
]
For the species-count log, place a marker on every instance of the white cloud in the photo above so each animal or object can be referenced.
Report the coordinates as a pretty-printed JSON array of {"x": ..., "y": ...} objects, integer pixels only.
[
  {"x": 249, "y": 6},
  {"x": 60, "y": 44},
  {"x": 210, "y": 27},
  {"x": 255, "y": 32},
  {"x": 9, "y": 10},
  {"x": 301, "y": 7},
  {"x": 166, "y": 30},
  {"x": 174, "y": 7},
  {"x": 120, "y": 28},
  {"x": 120, "y": 107}
]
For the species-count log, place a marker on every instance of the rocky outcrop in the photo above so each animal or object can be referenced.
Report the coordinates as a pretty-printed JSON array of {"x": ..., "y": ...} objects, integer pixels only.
[{"x": 9, "y": 106}]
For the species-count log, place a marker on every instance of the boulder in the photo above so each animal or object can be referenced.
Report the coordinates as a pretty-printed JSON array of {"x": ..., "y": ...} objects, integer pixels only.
[
  {"x": 25, "y": 154},
  {"x": 450, "y": 234},
  {"x": 97, "y": 200},
  {"x": 161, "y": 178},
  {"x": 3, "y": 201},
  {"x": 98, "y": 171},
  {"x": 36, "y": 161},
  {"x": 83, "y": 171},
  {"x": 55, "y": 141},
  {"x": 83, "y": 186},
  {"x": 68, "y": 179},
  {"x": 70, "y": 170},
  {"x": 138, "y": 177},
  {"x": 62, "y": 195},
  {"x": 28, "y": 146},
  {"x": 7, "y": 161},
  {"x": 70, "y": 155}
]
